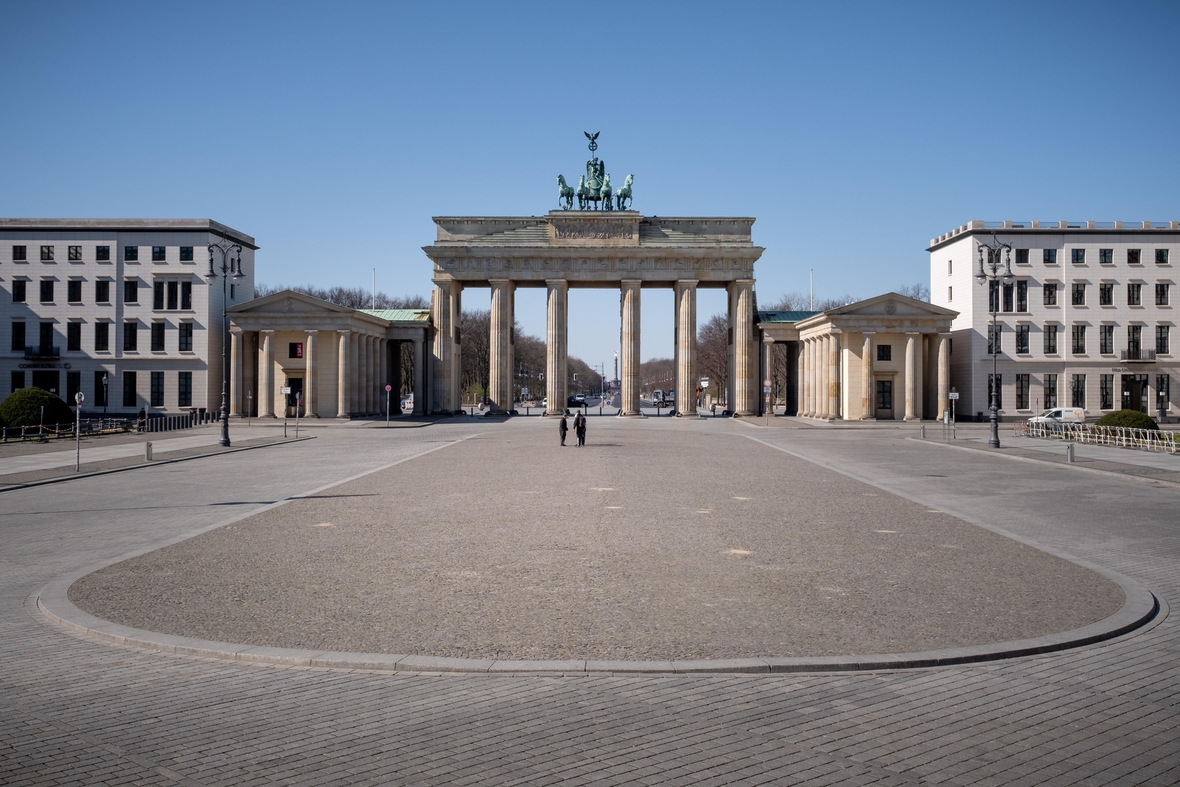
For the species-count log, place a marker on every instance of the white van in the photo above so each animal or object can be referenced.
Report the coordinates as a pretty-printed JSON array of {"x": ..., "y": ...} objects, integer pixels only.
[{"x": 1060, "y": 415}]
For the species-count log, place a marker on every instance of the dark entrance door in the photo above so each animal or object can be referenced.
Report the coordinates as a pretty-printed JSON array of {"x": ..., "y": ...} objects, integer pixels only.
[
  {"x": 1135, "y": 392},
  {"x": 885, "y": 400},
  {"x": 48, "y": 380},
  {"x": 296, "y": 384}
]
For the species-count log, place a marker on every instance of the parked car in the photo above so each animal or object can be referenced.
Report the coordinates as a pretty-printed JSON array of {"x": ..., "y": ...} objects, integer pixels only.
[{"x": 1060, "y": 415}]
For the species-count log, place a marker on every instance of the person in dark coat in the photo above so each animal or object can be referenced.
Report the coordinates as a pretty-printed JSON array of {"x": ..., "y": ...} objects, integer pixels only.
[
  {"x": 562, "y": 429},
  {"x": 580, "y": 428}
]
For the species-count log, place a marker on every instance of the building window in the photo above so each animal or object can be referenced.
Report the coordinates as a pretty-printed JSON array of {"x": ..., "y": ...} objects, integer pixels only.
[
  {"x": 1022, "y": 295},
  {"x": 185, "y": 339},
  {"x": 131, "y": 291},
  {"x": 1049, "y": 256},
  {"x": 18, "y": 380},
  {"x": 102, "y": 291},
  {"x": 950, "y": 294},
  {"x": 884, "y": 394},
  {"x": 1078, "y": 290},
  {"x": 186, "y": 295},
  {"x": 131, "y": 254},
  {"x": 1022, "y": 256},
  {"x": 100, "y": 389},
  {"x": 74, "y": 336},
  {"x": 1134, "y": 294},
  {"x": 184, "y": 390},
  {"x": 1161, "y": 339},
  {"x": 1106, "y": 391},
  {"x": 1077, "y": 256},
  {"x": 74, "y": 291},
  {"x": 47, "y": 291},
  {"x": 1009, "y": 293},
  {"x": 73, "y": 386},
  {"x": 1022, "y": 339},
  {"x": 157, "y": 399},
  {"x": 46, "y": 254},
  {"x": 998, "y": 389},
  {"x": 1079, "y": 340},
  {"x": 1134, "y": 340},
  {"x": 186, "y": 253},
  {"x": 19, "y": 292},
  {"x": 1162, "y": 391},
  {"x": 157, "y": 337},
  {"x": 1106, "y": 294},
  {"x": 1105, "y": 338},
  {"x": 995, "y": 337},
  {"x": 1132, "y": 256},
  {"x": 20, "y": 254},
  {"x": 47, "y": 347},
  {"x": 233, "y": 288},
  {"x": 1022, "y": 392},
  {"x": 950, "y": 267},
  {"x": 128, "y": 389},
  {"x": 130, "y": 336},
  {"x": 75, "y": 253},
  {"x": 173, "y": 287},
  {"x": 1161, "y": 294},
  {"x": 157, "y": 294},
  {"x": 884, "y": 352},
  {"x": 18, "y": 337},
  {"x": 1050, "y": 390},
  {"x": 102, "y": 253},
  {"x": 157, "y": 253},
  {"x": 1049, "y": 293},
  {"x": 1050, "y": 334},
  {"x": 102, "y": 337},
  {"x": 993, "y": 296},
  {"x": 295, "y": 349},
  {"x": 1106, "y": 256},
  {"x": 1077, "y": 390},
  {"x": 1161, "y": 256}
]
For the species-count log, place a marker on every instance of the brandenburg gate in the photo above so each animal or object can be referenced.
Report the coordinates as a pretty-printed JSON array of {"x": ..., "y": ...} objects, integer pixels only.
[{"x": 593, "y": 248}]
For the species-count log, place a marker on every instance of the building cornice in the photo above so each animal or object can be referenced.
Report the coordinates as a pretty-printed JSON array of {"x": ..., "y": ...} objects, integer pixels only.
[{"x": 129, "y": 225}]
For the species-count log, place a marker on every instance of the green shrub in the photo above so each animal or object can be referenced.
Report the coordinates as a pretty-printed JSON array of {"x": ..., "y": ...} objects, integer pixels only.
[
  {"x": 1128, "y": 419},
  {"x": 23, "y": 408}
]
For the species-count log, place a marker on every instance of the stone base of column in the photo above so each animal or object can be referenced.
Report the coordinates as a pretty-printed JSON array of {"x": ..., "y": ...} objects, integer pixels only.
[
  {"x": 912, "y": 418},
  {"x": 868, "y": 418}
]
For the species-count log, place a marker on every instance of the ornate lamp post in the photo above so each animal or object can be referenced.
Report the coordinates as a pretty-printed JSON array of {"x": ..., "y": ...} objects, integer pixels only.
[
  {"x": 230, "y": 268},
  {"x": 991, "y": 273}
]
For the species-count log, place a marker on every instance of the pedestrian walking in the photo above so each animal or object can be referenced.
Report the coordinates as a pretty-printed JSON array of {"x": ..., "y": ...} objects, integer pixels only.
[
  {"x": 580, "y": 429},
  {"x": 562, "y": 429}
]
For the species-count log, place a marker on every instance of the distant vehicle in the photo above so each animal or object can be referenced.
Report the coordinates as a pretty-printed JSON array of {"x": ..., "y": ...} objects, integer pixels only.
[
  {"x": 660, "y": 398},
  {"x": 545, "y": 402},
  {"x": 1060, "y": 415},
  {"x": 580, "y": 397},
  {"x": 575, "y": 401}
]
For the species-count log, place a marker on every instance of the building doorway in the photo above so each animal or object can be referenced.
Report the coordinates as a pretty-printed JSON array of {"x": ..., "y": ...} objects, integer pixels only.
[
  {"x": 1135, "y": 392},
  {"x": 47, "y": 380},
  {"x": 884, "y": 400},
  {"x": 296, "y": 395}
]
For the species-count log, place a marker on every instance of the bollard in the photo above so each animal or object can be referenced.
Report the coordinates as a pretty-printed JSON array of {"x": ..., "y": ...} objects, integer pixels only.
[
  {"x": 923, "y": 428},
  {"x": 1069, "y": 453},
  {"x": 147, "y": 451}
]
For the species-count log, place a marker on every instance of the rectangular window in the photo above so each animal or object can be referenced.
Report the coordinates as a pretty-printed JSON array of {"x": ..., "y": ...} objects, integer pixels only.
[
  {"x": 186, "y": 253},
  {"x": 1132, "y": 256},
  {"x": 1161, "y": 256},
  {"x": 157, "y": 337},
  {"x": 186, "y": 295},
  {"x": 18, "y": 337},
  {"x": 46, "y": 254},
  {"x": 998, "y": 389},
  {"x": 1106, "y": 294},
  {"x": 47, "y": 291},
  {"x": 73, "y": 386},
  {"x": 884, "y": 395},
  {"x": 130, "y": 336},
  {"x": 1049, "y": 388},
  {"x": 102, "y": 253},
  {"x": 19, "y": 291},
  {"x": 18, "y": 380},
  {"x": 131, "y": 291},
  {"x": 1134, "y": 294},
  {"x": 157, "y": 399},
  {"x": 884, "y": 352},
  {"x": 1079, "y": 340},
  {"x": 993, "y": 296},
  {"x": 1050, "y": 334},
  {"x": 100, "y": 389},
  {"x": 1162, "y": 391},
  {"x": 1134, "y": 340},
  {"x": 1077, "y": 390},
  {"x": 1106, "y": 391},
  {"x": 102, "y": 337},
  {"x": 1022, "y": 256},
  {"x": 185, "y": 339},
  {"x": 1105, "y": 338},
  {"x": 129, "y": 398},
  {"x": 1078, "y": 290},
  {"x": 1161, "y": 294},
  {"x": 1106, "y": 256},
  {"x": 950, "y": 267},
  {"x": 1022, "y": 339},
  {"x": 1009, "y": 297},
  {"x": 157, "y": 253},
  {"x": 74, "y": 291},
  {"x": 1161, "y": 339},
  {"x": 157, "y": 294},
  {"x": 75, "y": 253},
  {"x": 131, "y": 253},
  {"x": 1049, "y": 256},
  {"x": 1022, "y": 295},
  {"x": 995, "y": 340},
  {"x": 184, "y": 390},
  {"x": 1049, "y": 293},
  {"x": 1022, "y": 392},
  {"x": 74, "y": 336},
  {"x": 47, "y": 338},
  {"x": 20, "y": 254},
  {"x": 173, "y": 288},
  {"x": 233, "y": 288},
  {"x": 950, "y": 294},
  {"x": 102, "y": 291},
  {"x": 295, "y": 350},
  {"x": 1077, "y": 256}
]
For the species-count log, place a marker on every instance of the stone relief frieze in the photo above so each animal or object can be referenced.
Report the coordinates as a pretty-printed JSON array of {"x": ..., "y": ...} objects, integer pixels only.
[{"x": 591, "y": 230}]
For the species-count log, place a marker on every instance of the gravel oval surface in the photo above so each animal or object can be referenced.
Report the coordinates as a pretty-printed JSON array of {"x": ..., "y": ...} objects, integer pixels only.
[{"x": 654, "y": 541}]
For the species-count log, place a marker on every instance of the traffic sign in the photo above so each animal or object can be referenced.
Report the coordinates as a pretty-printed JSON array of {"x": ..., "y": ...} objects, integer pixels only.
[
  {"x": 79, "y": 397},
  {"x": 704, "y": 383},
  {"x": 766, "y": 382},
  {"x": 388, "y": 388},
  {"x": 766, "y": 389},
  {"x": 954, "y": 395},
  {"x": 286, "y": 389}
]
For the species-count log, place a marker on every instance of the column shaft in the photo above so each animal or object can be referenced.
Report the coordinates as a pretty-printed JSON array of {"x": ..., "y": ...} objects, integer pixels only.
[
  {"x": 629, "y": 371},
  {"x": 419, "y": 377},
  {"x": 356, "y": 375},
  {"x": 911, "y": 374},
  {"x": 310, "y": 389},
  {"x": 395, "y": 376},
  {"x": 556, "y": 345},
  {"x": 342, "y": 372},
  {"x": 686, "y": 347},
  {"x": 266, "y": 386},
  {"x": 833, "y": 376},
  {"x": 944, "y": 375},
  {"x": 768, "y": 374},
  {"x": 500, "y": 346},
  {"x": 235, "y": 372},
  {"x": 745, "y": 361},
  {"x": 800, "y": 378},
  {"x": 868, "y": 403},
  {"x": 809, "y": 378}
]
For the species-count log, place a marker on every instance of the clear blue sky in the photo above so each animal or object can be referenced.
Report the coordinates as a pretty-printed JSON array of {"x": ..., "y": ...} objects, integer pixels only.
[{"x": 332, "y": 132}]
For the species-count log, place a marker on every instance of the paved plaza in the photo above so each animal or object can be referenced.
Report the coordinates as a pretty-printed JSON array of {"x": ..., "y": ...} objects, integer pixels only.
[{"x": 74, "y": 710}]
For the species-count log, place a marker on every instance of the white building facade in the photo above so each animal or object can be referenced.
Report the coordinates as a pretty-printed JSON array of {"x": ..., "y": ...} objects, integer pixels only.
[
  {"x": 118, "y": 309},
  {"x": 1088, "y": 321}
]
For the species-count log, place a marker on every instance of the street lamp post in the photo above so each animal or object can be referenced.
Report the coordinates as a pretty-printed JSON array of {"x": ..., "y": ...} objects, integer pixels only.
[
  {"x": 230, "y": 268},
  {"x": 991, "y": 273}
]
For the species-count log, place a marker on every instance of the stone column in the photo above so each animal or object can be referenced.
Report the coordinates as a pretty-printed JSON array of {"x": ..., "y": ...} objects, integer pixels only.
[
  {"x": 833, "y": 376},
  {"x": 745, "y": 361},
  {"x": 686, "y": 346},
  {"x": 419, "y": 377},
  {"x": 395, "y": 376},
  {"x": 819, "y": 394},
  {"x": 800, "y": 378},
  {"x": 343, "y": 368},
  {"x": 235, "y": 372},
  {"x": 911, "y": 375},
  {"x": 383, "y": 376},
  {"x": 944, "y": 375},
  {"x": 556, "y": 345},
  {"x": 500, "y": 346},
  {"x": 357, "y": 375},
  {"x": 370, "y": 375},
  {"x": 868, "y": 401},
  {"x": 768, "y": 373},
  {"x": 629, "y": 370},
  {"x": 310, "y": 410},
  {"x": 445, "y": 306},
  {"x": 805, "y": 400},
  {"x": 266, "y": 386}
]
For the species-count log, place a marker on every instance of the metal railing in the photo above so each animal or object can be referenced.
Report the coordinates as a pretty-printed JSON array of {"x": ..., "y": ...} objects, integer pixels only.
[
  {"x": 42, "y": 351},
  {"x": 1090, "y": 434},
  {"x": 1138, "y": 354}
]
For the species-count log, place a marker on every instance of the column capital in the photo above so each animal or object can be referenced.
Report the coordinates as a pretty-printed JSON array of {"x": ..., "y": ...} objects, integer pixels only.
[
  {"x": 312, "y": 331},
  {"x": 236, "y": 331},
  {"x": 268, "y": 333},
  {"x": 343, "y": 331},
  {"x": 767, "y": 339},
  {"x": 557, "y": 284}
]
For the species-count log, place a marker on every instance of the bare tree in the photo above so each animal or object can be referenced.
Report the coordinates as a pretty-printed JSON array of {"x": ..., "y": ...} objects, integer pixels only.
[
  {"x": 919, "y": 291},
  {"x": 475, "y": 353},
  {"x": 713, "y": 354},
  {"x": 352, "y": 297}
]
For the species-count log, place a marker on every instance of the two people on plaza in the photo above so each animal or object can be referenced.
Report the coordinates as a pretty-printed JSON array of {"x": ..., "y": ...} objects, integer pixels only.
[{"x": 579, "y": 428}]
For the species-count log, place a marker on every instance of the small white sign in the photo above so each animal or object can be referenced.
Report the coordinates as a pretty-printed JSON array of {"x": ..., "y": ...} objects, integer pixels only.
[
  {"x": 766, "y": 389},
  {"x": 954, "y": 395},
  {"x": 704, "y": 383},
  {"x": 79, "y": 397},
  {"x": 286, "y": 389}
]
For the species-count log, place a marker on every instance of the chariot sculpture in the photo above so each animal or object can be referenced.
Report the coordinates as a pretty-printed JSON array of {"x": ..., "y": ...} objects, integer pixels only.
[{"x": 594, "y": 191}]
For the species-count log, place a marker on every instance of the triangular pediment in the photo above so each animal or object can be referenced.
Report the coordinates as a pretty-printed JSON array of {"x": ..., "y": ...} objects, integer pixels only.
[
  {"x": 892, "y": 305},
  {"x": 289, "y": 302}
]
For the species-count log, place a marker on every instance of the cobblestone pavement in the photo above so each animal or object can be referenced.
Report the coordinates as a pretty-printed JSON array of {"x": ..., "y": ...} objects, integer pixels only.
[{"x": 78, "y": 712}]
